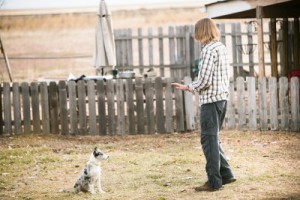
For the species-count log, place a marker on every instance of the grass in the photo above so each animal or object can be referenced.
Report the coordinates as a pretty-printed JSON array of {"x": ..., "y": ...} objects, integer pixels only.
[{"x": 160, "y": 167}]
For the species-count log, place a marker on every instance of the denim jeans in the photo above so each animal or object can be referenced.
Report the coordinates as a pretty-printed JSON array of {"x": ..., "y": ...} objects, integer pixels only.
[{"x": 211, "y": 118}]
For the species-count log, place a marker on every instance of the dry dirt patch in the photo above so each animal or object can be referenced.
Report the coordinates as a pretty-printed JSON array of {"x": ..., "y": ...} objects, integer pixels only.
[{"x": 168, "y": 166}]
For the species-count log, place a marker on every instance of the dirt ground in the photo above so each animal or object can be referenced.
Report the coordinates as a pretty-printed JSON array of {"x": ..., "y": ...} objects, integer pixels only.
[{"x": 167, "y": 166}]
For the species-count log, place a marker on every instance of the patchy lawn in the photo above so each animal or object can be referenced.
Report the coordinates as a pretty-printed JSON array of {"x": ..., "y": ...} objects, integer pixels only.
[{"x": 169, "y": 166}]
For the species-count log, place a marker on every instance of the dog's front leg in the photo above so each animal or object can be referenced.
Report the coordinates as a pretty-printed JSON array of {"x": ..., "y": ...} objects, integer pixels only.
[
  {"x": 99, "y": 186},
  {"x": 92, "y": 188}
]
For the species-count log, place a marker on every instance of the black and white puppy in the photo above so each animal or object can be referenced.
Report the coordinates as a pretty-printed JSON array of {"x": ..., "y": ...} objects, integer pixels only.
[{"x": 91, "y": 174}]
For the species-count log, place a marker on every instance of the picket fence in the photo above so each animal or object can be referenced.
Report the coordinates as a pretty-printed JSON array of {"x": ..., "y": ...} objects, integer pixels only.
[{"x": 141, "y": 106}]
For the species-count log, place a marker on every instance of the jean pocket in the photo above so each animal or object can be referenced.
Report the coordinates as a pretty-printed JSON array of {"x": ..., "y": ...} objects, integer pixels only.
[{"x": 207, "y": 121}]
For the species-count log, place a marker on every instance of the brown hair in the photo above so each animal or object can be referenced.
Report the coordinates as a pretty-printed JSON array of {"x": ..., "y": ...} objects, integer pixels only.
[{"x": 206, "y": 31}]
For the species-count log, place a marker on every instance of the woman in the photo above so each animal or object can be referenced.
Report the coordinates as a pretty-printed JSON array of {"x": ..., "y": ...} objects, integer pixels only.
[{"x": 212, "y": 86}]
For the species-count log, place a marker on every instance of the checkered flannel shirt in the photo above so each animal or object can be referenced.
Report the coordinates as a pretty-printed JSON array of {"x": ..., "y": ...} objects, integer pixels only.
[{"x": 213, "y": 79}]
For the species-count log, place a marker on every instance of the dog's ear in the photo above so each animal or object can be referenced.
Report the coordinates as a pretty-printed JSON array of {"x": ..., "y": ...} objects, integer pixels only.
[{"x": 96, "y": 148}]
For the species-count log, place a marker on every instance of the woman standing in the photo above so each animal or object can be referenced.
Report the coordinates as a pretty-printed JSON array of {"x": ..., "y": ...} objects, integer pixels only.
[{"x": 212, "y": 86}]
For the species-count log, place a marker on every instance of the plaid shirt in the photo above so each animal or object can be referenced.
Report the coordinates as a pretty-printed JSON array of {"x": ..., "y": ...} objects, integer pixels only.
[{"x": 213, "y": 80}]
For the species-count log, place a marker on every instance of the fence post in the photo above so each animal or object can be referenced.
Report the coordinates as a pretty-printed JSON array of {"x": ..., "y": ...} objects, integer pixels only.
[
  {"x": 101, "y": 107},
  {"x": 295, "y": 104},
  {"x": 92, "y": 107},
  {"x": 120, "y": 107},
  {"x": 130, "y": 106},
  {"x": 111, "y": 107},
  {"x": 53, "y": 99},
  {"x": 273, "y": 90},
  {"x": 7, "y": 109},
  {"x": 161, "y": 51},
  {"x": 149, "y": 106},
  {"x": 73, "y": 107},
  {"x": 139, "y": 105},
  {"x": 172, "y": 55},
  {"x": 62, "y": 94},
  {"x": 26, "y": 107},
  {"x": 240, "y": 85},
  {"x": 45, "y": 107},
  {"x": 17, "y": 108},
  {"x": 252, "y": 103},
  {"x": 284, "y": 103},
  {"x": 263, "y": 115},
  {"x": 141, "y": 51},
  {"x": 35, "y": 107},
  {"x": 82, "y": 106},
  {"x": 179, "y": 109},
  {"x": 160, "y": 115},
  {"x": 230, "y": 106},
  {"x": 169, "y": 106},
  {"x": 1, "y": 117}
]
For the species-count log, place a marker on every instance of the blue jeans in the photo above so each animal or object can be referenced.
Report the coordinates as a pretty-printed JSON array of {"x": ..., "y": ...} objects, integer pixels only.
[{"x": 211, "y": 119}]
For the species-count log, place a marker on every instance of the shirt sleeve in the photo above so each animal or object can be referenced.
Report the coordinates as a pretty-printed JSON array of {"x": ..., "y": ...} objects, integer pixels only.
[{"x": 205, "y": 71}]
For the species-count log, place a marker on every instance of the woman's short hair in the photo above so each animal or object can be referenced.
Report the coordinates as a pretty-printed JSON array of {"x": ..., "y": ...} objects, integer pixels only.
[{"x": 206, "y": 31}]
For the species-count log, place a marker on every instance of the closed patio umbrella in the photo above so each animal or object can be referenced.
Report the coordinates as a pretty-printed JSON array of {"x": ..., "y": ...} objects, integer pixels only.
[{"x": 105, "y": 52}]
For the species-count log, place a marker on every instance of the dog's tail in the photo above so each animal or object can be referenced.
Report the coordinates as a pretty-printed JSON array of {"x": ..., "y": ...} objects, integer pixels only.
[{"x": 73, "y": 190}]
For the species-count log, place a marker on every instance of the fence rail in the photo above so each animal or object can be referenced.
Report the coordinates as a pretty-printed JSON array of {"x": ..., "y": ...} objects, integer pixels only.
[{"x": 141, "y": 106}]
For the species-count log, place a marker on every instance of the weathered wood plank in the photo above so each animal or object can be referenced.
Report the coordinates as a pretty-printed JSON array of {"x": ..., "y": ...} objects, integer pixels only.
[
  {"x": 129, "y": 49},
  {"x": 130, "y": 106},
  {"x": 139, "y": 105},
  {"x": 160, "y": 115},
  {"x": 64, "y": 121},
  {"x": 169, "y": 106},
  {"x": 172, "y": 54},
  {"x": 252, "y": 103},
  {"x": 26, "y": 107},
  {"x": 53, "y": 102},
  {"x": 284, "y": 103},
  {"x": 1, "y": 110},
  {"x": 73, "y": 108},
  {"x": 241, "y": 103},
  {"x": 45, "y": 107},
  {"x": 92, "y": 107},
  {"x": 295, "y": 126},
  {"x": 250, "y": 50},
  {"x": 273, "y": 48},
  {"x": 149, "y": 106},
  {"x": 111, "y": 107},
  {"x": 186, "y": 49},
  {"x": 141, "y": 52},
  {"x": 161, "y": 51},
  {"x": 189, "y": 107},
  {"x": 120, "y": 107},
  {"x": 234, "y": 50},
  {"x": 273, "y": 103},
  {"x": 101, "y": 107},
  {"x": 17, "y": 108},
  {"x": 239, "y": 52},
  {"x": 231, "y": 106},
  {"x": 285, "y": 48},
  {"x": 150, "y": 46},
  {"x": 35, "y": 102},
  {"x": 179, "y": 109},
  {"x": 7, "y": 109},
  {"x": 82, "y": 107},
  {"x": 262, "y": 99},
  {"x": 296, "y": 44}
]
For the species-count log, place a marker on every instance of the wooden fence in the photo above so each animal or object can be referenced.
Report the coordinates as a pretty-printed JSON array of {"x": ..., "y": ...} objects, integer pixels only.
[
  {"x": 174, "y": 52},
  {"x": 141, "y": 106}
]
